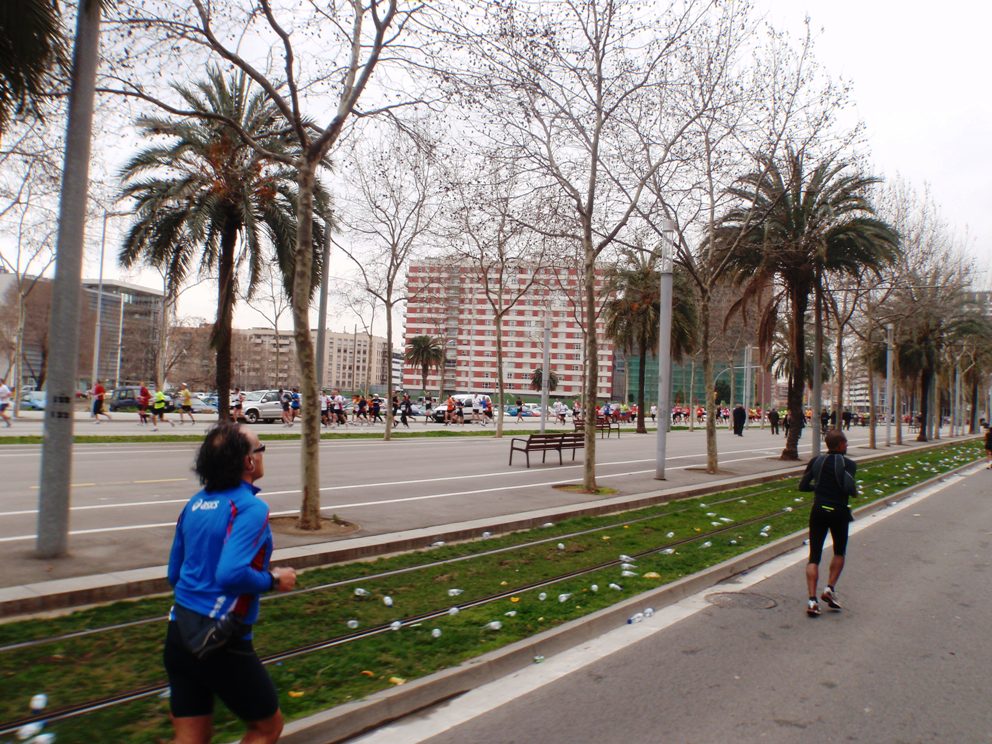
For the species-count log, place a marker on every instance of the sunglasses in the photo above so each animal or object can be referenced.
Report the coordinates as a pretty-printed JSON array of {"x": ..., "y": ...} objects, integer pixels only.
[{"x": 259, "y": 449}]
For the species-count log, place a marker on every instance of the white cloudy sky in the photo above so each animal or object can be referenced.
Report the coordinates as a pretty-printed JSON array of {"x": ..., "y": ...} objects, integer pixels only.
[{"x": 919, "y": 72}]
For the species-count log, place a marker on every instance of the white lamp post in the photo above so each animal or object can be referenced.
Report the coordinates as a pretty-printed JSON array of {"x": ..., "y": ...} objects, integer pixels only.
[
  {"x": 889, "y": 411},
  {"x": 667, "y": 250}
]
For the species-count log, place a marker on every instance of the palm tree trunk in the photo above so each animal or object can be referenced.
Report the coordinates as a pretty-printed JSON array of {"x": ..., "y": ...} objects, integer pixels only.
[
  {"x": 225, "y": 316},
  {"x": 303, "y": 266},
  {"x": 641, "y": 428},
  {"x": 799, "y": 300}
]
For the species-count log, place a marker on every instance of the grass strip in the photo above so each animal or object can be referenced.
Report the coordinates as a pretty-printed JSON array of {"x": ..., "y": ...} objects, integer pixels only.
[{"x": 85, "y": 668}]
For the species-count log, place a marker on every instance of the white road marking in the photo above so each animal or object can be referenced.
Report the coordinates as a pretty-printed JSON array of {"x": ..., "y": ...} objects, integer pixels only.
[{"x": 489, "y": 697}]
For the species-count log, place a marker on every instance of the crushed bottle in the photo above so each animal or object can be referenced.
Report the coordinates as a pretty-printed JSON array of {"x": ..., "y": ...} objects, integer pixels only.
[
  {"x": 359, "y": 592},
  {"x": 564, "y": 597},
  {"x": 455, "y": 592},
  {"x": 352, "y": 624}
]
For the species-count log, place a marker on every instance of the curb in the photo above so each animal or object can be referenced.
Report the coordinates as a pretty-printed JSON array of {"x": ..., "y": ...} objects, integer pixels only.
[
  {"x": 109, "y": 587},
  {"x": 352, "y": 719}
]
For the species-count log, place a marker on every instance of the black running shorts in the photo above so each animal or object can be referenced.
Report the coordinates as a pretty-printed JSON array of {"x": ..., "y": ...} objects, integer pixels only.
[
  {"x": 822, "y": 519},
  {"x": 234, "y": 674}
]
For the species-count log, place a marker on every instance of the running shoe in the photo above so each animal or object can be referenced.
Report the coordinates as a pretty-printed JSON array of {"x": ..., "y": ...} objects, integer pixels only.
[
  {"x": 830, "y": 597},
  {"x": 812, "y": 608}
]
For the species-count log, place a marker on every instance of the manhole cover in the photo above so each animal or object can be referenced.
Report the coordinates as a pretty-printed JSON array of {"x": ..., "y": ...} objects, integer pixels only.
[{"x": 743, "y": 600}]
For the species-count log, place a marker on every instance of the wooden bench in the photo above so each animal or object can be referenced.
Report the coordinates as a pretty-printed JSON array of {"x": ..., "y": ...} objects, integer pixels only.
[
  {"x": 603, "y": 425},
  {"x": 545, "y": 443},
  {"x": 573, "y": 440}
]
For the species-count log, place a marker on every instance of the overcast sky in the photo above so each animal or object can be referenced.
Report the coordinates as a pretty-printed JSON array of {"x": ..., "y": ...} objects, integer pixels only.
[{"x": 919, "y": 72}]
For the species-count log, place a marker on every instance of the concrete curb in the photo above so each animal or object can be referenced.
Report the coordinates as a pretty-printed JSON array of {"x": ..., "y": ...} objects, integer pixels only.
[
  {"x": 114, "y": 586},
  {"x": 351, "y": 719}
]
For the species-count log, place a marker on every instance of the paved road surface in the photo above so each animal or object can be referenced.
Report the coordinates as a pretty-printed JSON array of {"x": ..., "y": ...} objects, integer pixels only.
[{"x": 906, "y": 661}]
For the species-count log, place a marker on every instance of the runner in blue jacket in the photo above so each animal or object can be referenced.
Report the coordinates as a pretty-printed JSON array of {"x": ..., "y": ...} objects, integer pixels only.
[{"x": 218, "y": 566}]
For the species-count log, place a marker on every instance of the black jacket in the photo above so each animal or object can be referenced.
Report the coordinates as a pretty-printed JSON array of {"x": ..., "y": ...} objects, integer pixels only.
[{"x": 831, "y": 478}]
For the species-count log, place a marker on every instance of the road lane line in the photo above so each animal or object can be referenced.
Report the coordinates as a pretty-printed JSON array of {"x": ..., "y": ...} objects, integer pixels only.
[{"x": 162, "y": 480}]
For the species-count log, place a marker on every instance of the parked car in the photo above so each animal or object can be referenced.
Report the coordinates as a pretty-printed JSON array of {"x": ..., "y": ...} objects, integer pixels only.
[
  {"x": 262, "y": 405},
  {"x": 440, "y": 407},
  {"x": 202, "y": 407},
  {"x": 126, "y": 398},
  {"x": 33, "y": 401}
]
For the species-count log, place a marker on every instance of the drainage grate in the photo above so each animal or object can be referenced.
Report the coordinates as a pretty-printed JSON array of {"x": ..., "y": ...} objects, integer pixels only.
[{"x": 742, "y": 600}]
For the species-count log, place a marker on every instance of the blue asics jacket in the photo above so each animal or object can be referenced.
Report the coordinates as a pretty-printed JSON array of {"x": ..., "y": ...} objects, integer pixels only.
[{"x": 220, "y": 555}]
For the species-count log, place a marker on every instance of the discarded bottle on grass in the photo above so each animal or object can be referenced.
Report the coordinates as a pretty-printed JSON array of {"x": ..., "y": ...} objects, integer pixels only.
[
  {"x": 635, "y": 618},
  {"x": 452, "y": 610},
  {"x": 706, "y": 544},
  {"x": 43, "y": 739},
  {"x": 669, "y": 535},
  {"x": 29, "y": 729},
  {"x": 359, "y": 592},
  {"x": 395, "y": 625},
  {"x": 542, "y": 596},
  {"x": 564, "y": 597},
  {"x": 455, "y": 592},
  {"x": 494, "y": 625},
  {"x": 38, "y": 702},
  {"x": 436, "y": 633},
  {"x": 388, "y": 601},
  {"x": 511, "y": 613},
  {"x": 626, "y": 558},
  {"x": 627, "y": 574},
  {"x": 561, "y": 546},
  {"x": 627, "y": 566},
  {"x": 594, "y": 588},
  {"x": 766, "y": 528},
  {"x": 352, "y": 624},
  {"x": 667, "y": 551},
  {"x": 616, "y": 587}
]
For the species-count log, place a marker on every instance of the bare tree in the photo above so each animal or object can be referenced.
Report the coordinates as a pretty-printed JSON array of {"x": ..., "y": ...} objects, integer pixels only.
[
  {"x": 387, "y": 220},
  {"x": 271, "y": 301}
]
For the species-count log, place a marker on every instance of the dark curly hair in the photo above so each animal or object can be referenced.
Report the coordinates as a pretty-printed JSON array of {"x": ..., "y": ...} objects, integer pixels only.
[{"x": 220, "y": 459}]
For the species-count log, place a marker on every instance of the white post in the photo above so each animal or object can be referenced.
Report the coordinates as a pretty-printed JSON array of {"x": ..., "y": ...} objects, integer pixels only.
[
  {"x": 99, "y": 306},
  {"x": 747, "y": 384},
  {"x": 664, "y": 346},
  {"x": 889, "y": 412},
  {"x": 120, "y": 343}
]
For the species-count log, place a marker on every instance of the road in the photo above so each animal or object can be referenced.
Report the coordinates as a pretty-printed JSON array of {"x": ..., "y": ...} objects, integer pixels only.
[
  {"x": 906, "y": 660},
  {"x": 126, "y": 497}
]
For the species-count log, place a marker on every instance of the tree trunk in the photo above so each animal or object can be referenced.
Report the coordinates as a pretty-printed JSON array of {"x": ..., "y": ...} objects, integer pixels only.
[
  {"x": 303, "y": 266},
  {"x": 897, "y": 397},
  {"x": 839, "y": 376},
  {"x": 936, "y": 409},
  {"x": 18, "y": 377},
  {"x": 712, "y": 464},
  {"x": 692, "y": 395},
  {"x": 926, "y": 377},
  {"x": 799, "y": 300},
  {"x": 872, "y": 413},
  {"x": 500, "y": 382},
  {"x": 388, "y": 434},
  {"x": 641, "y": 428},
  {"x": 973, "y": 419},
  {"x": 225, "y": 316},
  {"x": 592, "y": 366}
]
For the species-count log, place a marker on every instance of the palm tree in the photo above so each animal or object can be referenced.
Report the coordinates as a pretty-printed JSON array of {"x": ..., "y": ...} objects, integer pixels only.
[
  {"x": 632, "y": 316},
  {"x": 31, "y": 44},
  {"x": 800, "y": 224},
  {"x": 537, "y": 380},
  {"x": 425, "y": 352},
  {"x": 205, "y": 197}
]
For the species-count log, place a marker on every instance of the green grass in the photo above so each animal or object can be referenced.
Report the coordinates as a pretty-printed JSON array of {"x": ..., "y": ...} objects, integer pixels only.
[{"x": 81, "y": 669}]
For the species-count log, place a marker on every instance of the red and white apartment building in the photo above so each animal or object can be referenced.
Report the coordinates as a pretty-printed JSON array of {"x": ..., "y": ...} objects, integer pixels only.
[{"x": 448, "y": 301}]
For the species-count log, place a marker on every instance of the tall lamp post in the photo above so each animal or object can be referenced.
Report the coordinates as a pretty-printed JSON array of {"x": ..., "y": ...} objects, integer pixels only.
[
  {"x": 889, "y": 412},
  {"x": 667, "y": 250}
]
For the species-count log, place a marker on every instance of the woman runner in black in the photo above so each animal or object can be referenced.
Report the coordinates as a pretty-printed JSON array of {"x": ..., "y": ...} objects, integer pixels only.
[{"x": 831, "y": 478}]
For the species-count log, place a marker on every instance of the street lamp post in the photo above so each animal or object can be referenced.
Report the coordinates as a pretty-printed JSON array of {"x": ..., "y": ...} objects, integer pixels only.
[
  {"x": 99, "y": 305},
  {"x": 546, "y": 372},
  {"x": 889, "y": 413},
  {"x": 664, "y": 344}
]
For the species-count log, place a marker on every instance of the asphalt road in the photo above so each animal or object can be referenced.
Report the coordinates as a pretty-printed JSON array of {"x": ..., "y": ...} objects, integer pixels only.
[
  {"x": 907, "y": 660},
  {"x": 126, "y": 497}
]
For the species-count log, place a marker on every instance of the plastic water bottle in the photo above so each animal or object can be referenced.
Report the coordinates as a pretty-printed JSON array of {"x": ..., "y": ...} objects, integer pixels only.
[
  {"x": 452, "y": 610},
  {"x": 627, "y": 566},
  {"x": 706, "y": 544},
  {"x": 29, "y": 729},
  {"x": 39, "y": 702},
  {"x": 548, "y": 524},
  {"x": 649, "y": 612},
  {"x": 561, "y": 546},
  {"x": 766, "y": 528},
  {"x": 352, "y": 624},
  {"x": 395, "y": 625},
  {"x": 455, "y": 592},
  {"x": 487, "y": 535},
  {"x": 388, "y": 601},
  {"x": 728, "y": 520},
  {"x": 538, "y": 659},
  {"x": 564, "y": 597},
  {"x": 43, "y": 739},
  {"x": 542, "y": 596},
  {"x": 710, "y": 514},
  {"x": 616, "y": 587},
  {"x": 627, "y": 574},
  {"x": 669, "y": 535},
  {"x": 626, "y": 558},
  {"x": 635, "y": 618},
  {"x": 733, "y": 542},
  {"x": 594, "y": 588},
  {"x": 511, "y": 613},
  {"x": 494, "y": 625},
  {"x": 715, "y": 524},
  {"x": 359, "y": 592},
  {"x": 667, "y": 551},
  {"x": 788, "y": 509},
  {"x": 436, "y": 633}
]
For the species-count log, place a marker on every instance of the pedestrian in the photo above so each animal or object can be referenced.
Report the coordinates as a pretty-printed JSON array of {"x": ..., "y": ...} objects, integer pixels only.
[
  {"x": 144, "y": 400},
  {"x": 294, "y": 405},
  {"x": 740, "y": 417},
  {"x": 99, "y": 392},
  {"x": 428, "y": 409},
  {"x": 237, "y": 405},
  {"x": 520, "y": 410},
  {"x": 285, "y": 397},
  {"x": 406, "y": 410},
  {"x": 377, "y": 410},
  {"x": 158, "y": 410},
  {"x": 831, "y": 479},
  {"x": 988, "y": 445},
  {"x": 185, "y": 404},
  {"x": 218, "y": 567},
  {"x": 773, "y": 419},
  {"x": 4, "y": 402},
  {"x": 476, "y": 409},
  {"x": 449, "y": 411}
]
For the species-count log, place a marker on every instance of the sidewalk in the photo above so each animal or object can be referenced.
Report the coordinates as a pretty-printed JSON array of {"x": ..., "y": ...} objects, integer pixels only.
[{"x": 33, "y": 593}]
